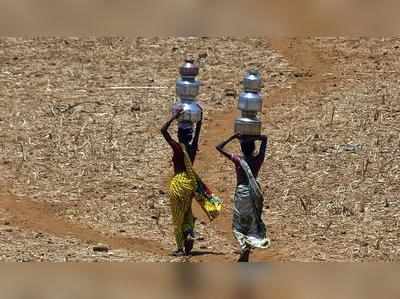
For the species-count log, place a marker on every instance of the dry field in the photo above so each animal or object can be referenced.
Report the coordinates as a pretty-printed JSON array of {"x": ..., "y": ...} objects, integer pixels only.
[{"x": 83, "y": 167}]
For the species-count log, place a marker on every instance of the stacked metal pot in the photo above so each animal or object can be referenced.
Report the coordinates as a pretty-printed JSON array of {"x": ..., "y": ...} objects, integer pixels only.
[
  {"x": 250, "y": 104},
  {"x": 187, "y": 89}
]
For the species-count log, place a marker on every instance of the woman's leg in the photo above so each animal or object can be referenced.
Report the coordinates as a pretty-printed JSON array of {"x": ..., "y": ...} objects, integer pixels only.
[
  {"x": 244, "y": 255},
  {"x": 243, "y": 217},
  {"x": 178, "y": 217},
  {"x": 180, "y": 193},
  {"x": 188, "y": 230}
]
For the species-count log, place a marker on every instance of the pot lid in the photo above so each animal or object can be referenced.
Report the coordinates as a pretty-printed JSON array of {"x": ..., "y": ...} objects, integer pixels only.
[{"x": 189, "y": 68}]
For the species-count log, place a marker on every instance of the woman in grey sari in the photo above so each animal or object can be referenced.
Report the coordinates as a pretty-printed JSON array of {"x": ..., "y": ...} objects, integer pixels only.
[{"x": 248, "y": 226}]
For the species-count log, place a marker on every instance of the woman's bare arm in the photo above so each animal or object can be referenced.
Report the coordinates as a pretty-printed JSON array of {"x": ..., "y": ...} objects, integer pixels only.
[
  {"x": 220, "y": 147},
  {"x": 195, "y": 143},
  {"x": 263, "y": 147},
  {"x": 165, "y": 127}
]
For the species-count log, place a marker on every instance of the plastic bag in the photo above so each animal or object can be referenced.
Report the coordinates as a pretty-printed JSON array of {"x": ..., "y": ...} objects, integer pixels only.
[{"x": 210, "y": 203}]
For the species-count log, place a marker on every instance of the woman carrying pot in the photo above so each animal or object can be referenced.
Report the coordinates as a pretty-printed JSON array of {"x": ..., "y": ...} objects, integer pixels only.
[
  {"x": 248, "y": 226},
  {"x": 186, "y": 184},
  {"x": 182, "y": 186}
]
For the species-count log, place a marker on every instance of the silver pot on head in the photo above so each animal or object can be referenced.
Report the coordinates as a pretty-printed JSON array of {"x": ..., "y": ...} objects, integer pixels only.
[
  {"x": 252, "y": 81},
  {"x": 248, "y": 126},
  {"x": 191, "y": 111},
  {"x": 187, "y": 89},
  {"x": 250, "y": 104}
]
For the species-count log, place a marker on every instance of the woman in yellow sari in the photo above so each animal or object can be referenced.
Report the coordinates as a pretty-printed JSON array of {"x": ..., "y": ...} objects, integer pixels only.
[
  {"x": 186, "y": 184},
  {"x": 183, "y": 185}
]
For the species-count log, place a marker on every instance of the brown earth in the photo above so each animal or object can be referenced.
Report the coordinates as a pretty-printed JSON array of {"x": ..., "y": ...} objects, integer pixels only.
[
  {"x": 300, "y": 227},
  {"x": 305, "y": 58}
]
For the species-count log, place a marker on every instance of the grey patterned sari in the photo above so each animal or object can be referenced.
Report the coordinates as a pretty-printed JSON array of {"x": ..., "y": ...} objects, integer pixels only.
[{"x": 248, "y": 226}]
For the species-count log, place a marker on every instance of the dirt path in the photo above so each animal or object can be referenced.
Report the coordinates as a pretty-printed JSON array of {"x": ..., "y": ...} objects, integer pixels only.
[
  {"x": 311, "y": 66},
  {"x": 32, "y": 215},
  {"x": 42, "y": 217}
]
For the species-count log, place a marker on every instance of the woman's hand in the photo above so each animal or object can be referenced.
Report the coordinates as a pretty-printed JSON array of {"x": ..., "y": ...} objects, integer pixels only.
[
  {"x": 164, "y": 129},
  {"x": 178, "y": 112},
  {"x": 220, "y": 147}
]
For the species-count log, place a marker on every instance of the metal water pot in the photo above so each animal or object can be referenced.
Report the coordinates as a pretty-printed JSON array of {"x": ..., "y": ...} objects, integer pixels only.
[
  {"x": 250, "y": 102},
  {"x": 189, "y": 69},
  {"x": 191, "y": 111},
  {"x": 252, "y": 81},
  {"x": 187, "y": 89},
  {"x": 248, "y": 126}
]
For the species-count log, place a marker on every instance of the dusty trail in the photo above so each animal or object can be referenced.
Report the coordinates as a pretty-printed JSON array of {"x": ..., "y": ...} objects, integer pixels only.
[
  {"x": 311, "y": 66},
  {"x": 40, "y": 216}
]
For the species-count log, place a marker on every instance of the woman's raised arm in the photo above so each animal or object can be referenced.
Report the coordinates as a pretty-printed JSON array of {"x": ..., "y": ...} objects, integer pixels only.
[
  {"x": 165, "y": 127},
  {"x": 263, "y": 147},
  {"x": 195, "y": 143},
  {"x": 220, "y": 147}
]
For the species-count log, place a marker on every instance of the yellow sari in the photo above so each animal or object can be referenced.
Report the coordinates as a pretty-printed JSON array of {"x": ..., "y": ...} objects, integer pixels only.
[{"x": 182, "y": 188}]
